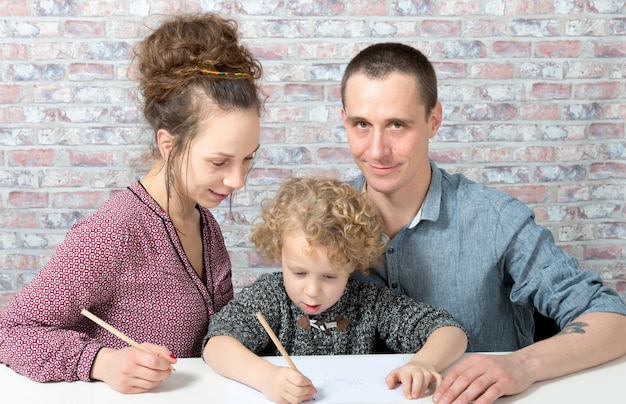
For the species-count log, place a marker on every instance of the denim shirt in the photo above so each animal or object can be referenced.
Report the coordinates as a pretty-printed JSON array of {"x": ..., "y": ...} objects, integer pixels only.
[{"x": 478, "y": 253}]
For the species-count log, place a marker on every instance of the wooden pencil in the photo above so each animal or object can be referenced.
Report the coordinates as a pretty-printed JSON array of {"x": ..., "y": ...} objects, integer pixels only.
[
  {"x": 274, "y": 338},
  {"x": 116, "y": 332}
]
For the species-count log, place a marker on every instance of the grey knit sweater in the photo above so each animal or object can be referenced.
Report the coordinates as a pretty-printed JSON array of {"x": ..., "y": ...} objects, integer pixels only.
[{"x": 376, "y": 318}]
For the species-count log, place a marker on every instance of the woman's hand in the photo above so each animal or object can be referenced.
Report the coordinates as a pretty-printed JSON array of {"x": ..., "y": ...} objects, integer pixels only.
[
  {"x": 415, "y": 378},
  {"x": 130, "y": 370}
]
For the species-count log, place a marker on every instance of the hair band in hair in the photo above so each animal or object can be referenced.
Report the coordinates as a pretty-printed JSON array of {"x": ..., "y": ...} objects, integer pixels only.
[{"x": 216, "y": 73}]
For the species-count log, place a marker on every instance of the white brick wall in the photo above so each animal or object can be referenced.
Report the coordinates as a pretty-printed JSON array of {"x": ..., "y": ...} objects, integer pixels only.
[{"x": 533, "y": 94}]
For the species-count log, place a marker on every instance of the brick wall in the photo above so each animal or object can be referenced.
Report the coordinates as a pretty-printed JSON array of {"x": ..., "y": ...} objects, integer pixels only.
[{"x": 533, "y": 94}]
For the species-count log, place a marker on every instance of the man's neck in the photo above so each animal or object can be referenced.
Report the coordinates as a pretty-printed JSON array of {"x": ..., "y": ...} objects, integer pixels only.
[{"x": 400, "y": 207}]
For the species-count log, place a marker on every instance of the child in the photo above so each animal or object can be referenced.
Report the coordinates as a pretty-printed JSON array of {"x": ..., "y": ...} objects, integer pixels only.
[{"x": 321, "y": 231}]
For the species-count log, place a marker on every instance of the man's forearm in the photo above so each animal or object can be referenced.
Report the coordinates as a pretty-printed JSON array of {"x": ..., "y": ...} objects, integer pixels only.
[{"x": 587, "y": 341}]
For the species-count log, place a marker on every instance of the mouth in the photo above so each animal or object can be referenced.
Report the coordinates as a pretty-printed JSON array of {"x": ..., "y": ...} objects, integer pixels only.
[
  {"x": 219, "y": 196},
  {"x": 381, "y": 170},
  {"x": 311, "y": 309}
]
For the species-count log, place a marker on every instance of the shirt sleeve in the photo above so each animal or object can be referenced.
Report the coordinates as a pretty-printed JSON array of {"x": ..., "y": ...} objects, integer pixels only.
[
  {"x": 238, "y": 318},
  {"x": 42, "y": 333},
  {"x": 405, "y": 324},
  {"x": 544, "y": 275}
]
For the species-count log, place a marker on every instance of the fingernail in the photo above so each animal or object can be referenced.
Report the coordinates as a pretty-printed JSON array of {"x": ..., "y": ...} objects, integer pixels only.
[{"x": 436, "y": 396}]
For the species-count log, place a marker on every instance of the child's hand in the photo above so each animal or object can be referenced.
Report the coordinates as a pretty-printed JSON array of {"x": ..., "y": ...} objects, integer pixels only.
[
  {"x": 284, "y": 385},
  {"x": 415, "y": 378}
]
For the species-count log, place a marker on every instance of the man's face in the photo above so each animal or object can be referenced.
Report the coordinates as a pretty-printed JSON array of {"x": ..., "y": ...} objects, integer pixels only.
[{"x": 388, "y": 131}]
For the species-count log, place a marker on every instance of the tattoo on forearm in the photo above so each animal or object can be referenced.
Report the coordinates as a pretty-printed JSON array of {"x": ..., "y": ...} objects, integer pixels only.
[{"x": 574, "y": 328}]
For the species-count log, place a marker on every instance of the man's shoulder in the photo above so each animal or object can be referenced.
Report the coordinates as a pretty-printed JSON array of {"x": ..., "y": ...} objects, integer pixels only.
[{"x": 467, "y": 192}]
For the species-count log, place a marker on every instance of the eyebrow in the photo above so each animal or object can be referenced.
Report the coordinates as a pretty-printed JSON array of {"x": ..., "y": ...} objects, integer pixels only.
[{"x": 221, "y": 154}]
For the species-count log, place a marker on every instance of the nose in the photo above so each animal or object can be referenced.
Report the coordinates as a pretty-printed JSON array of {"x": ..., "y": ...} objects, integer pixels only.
[
  {"x": 312, "y": 288},
  {"x": 378, "y": 146},
  {"x": 235, "y": 178}
]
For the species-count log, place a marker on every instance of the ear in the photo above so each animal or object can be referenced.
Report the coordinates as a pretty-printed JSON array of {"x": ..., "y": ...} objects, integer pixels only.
[
  {"x": 165, "y": 142},
  {"x": 435, "y": 119},
  {"x": 343, "y": 117}
]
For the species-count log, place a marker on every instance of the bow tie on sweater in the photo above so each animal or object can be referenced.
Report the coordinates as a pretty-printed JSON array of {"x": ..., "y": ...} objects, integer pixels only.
[{"x": 340, "y": 324}]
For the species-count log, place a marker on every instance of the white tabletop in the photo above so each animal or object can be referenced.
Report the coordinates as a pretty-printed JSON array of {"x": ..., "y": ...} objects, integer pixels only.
[{"x": 195, "y": 382}]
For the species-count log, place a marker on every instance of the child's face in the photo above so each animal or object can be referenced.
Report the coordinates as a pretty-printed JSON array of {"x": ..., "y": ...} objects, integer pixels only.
[{"x": 310, "y": 281}]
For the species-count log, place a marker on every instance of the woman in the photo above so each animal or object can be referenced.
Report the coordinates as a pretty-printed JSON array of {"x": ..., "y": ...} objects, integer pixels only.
[{"x": 151, "y": 261}]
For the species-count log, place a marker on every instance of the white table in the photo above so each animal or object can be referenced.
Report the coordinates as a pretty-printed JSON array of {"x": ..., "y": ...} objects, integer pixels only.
[{"x": 195, "y": 382}]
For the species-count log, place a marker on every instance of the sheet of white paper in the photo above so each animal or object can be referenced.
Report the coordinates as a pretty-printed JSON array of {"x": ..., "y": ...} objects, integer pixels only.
[{"x": 338, "y": 379}]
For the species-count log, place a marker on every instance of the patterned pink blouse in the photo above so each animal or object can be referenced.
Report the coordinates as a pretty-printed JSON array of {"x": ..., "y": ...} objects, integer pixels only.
[{"x": 125, "y": 264}]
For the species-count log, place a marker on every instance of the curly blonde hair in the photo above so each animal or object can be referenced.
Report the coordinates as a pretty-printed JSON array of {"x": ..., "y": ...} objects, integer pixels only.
[{"x": 331, "y": 214}]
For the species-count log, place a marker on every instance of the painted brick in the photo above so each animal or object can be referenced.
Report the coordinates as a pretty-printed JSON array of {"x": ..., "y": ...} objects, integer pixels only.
[
  {"x": 412, "y": 8},
  {"x": 35, "y": 72},
  {"x": 491, "y": 70},
  {"x": 598, "y": 91},
  {"x": 598, "y": 211},
  {"x": 489, "y": 112},
  {"x": 510, "y": 49},
  {"x": 448, "y": 156},
  {"x": 27, "y": 200},
  {"x": 608, "y": 192},
  {"x": 611, "y": 50},
  {"x": 612, "y": 230},
  {"x": 559, "y": 173},
  {"x": 600, "y": 171},
  {"x": 13, "y": 219},
  {"x": 61, "y": 220},
  {"x": 606, "y": 6},
  {"x": 505, "y": 175},
  {"x": 56, "y": 8},
  {"x": 440, "y": 28},
  {"x": 575, "y": 233},
  {"x": 77, "y": 199},
  {"x": 90, "y": 158},
  {"x": 31, "y": 157},
  {"x": 576, "y": 152},
  {"x": 541, "y": 70},
  {"x": 535, "y": 28},
  {"x": 585, "y": 70},
  {"x": 539, "y": 112},
  {"x": 394, "y": 30},
  {"x": 558, "y": 49},
  {"x": 459, "y": 50},
  {"x": 550, "y": 91},
  {"x": 13, "y": 52},
  {"x": 586, "y": 27},
  {"x": 590, "y": 111},
  {"x": 35, "y": 29},
  {"x": 617, "y": 26},
  {"x": 11, "y": 93},
  {"x": 612, "y": 151}
]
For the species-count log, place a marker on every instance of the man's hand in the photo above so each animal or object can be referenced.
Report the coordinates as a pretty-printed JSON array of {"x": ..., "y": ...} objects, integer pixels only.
[{"x": 482, "y": 379}]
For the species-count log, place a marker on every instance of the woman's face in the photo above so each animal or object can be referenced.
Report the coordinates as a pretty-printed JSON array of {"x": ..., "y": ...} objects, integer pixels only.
[{"x": 219, "y": 157}]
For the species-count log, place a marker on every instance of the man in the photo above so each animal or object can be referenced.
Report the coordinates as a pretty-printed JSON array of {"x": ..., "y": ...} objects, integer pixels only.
[{"x": 473, "y": 251}]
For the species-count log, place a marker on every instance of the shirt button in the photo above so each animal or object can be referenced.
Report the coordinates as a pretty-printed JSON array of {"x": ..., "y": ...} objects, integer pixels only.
[
  {"x": 394, "y": 285},
  {"x": 391, "y": 250}
]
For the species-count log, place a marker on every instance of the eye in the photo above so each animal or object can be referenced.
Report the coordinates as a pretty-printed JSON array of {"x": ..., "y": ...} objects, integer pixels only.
[
  {"x": 330, "y": 276},
  {"x": 361, "y": 125},
  {"x": 219, "y": 163},
  {"x": 397, "y": 125}
]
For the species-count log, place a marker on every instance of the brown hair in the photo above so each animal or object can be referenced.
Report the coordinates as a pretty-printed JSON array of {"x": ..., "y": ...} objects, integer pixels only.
[
  {"x": 331, "y": 214},
  {"x": 379, "y": 60},
  {"x": 177, "y": 88}
]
